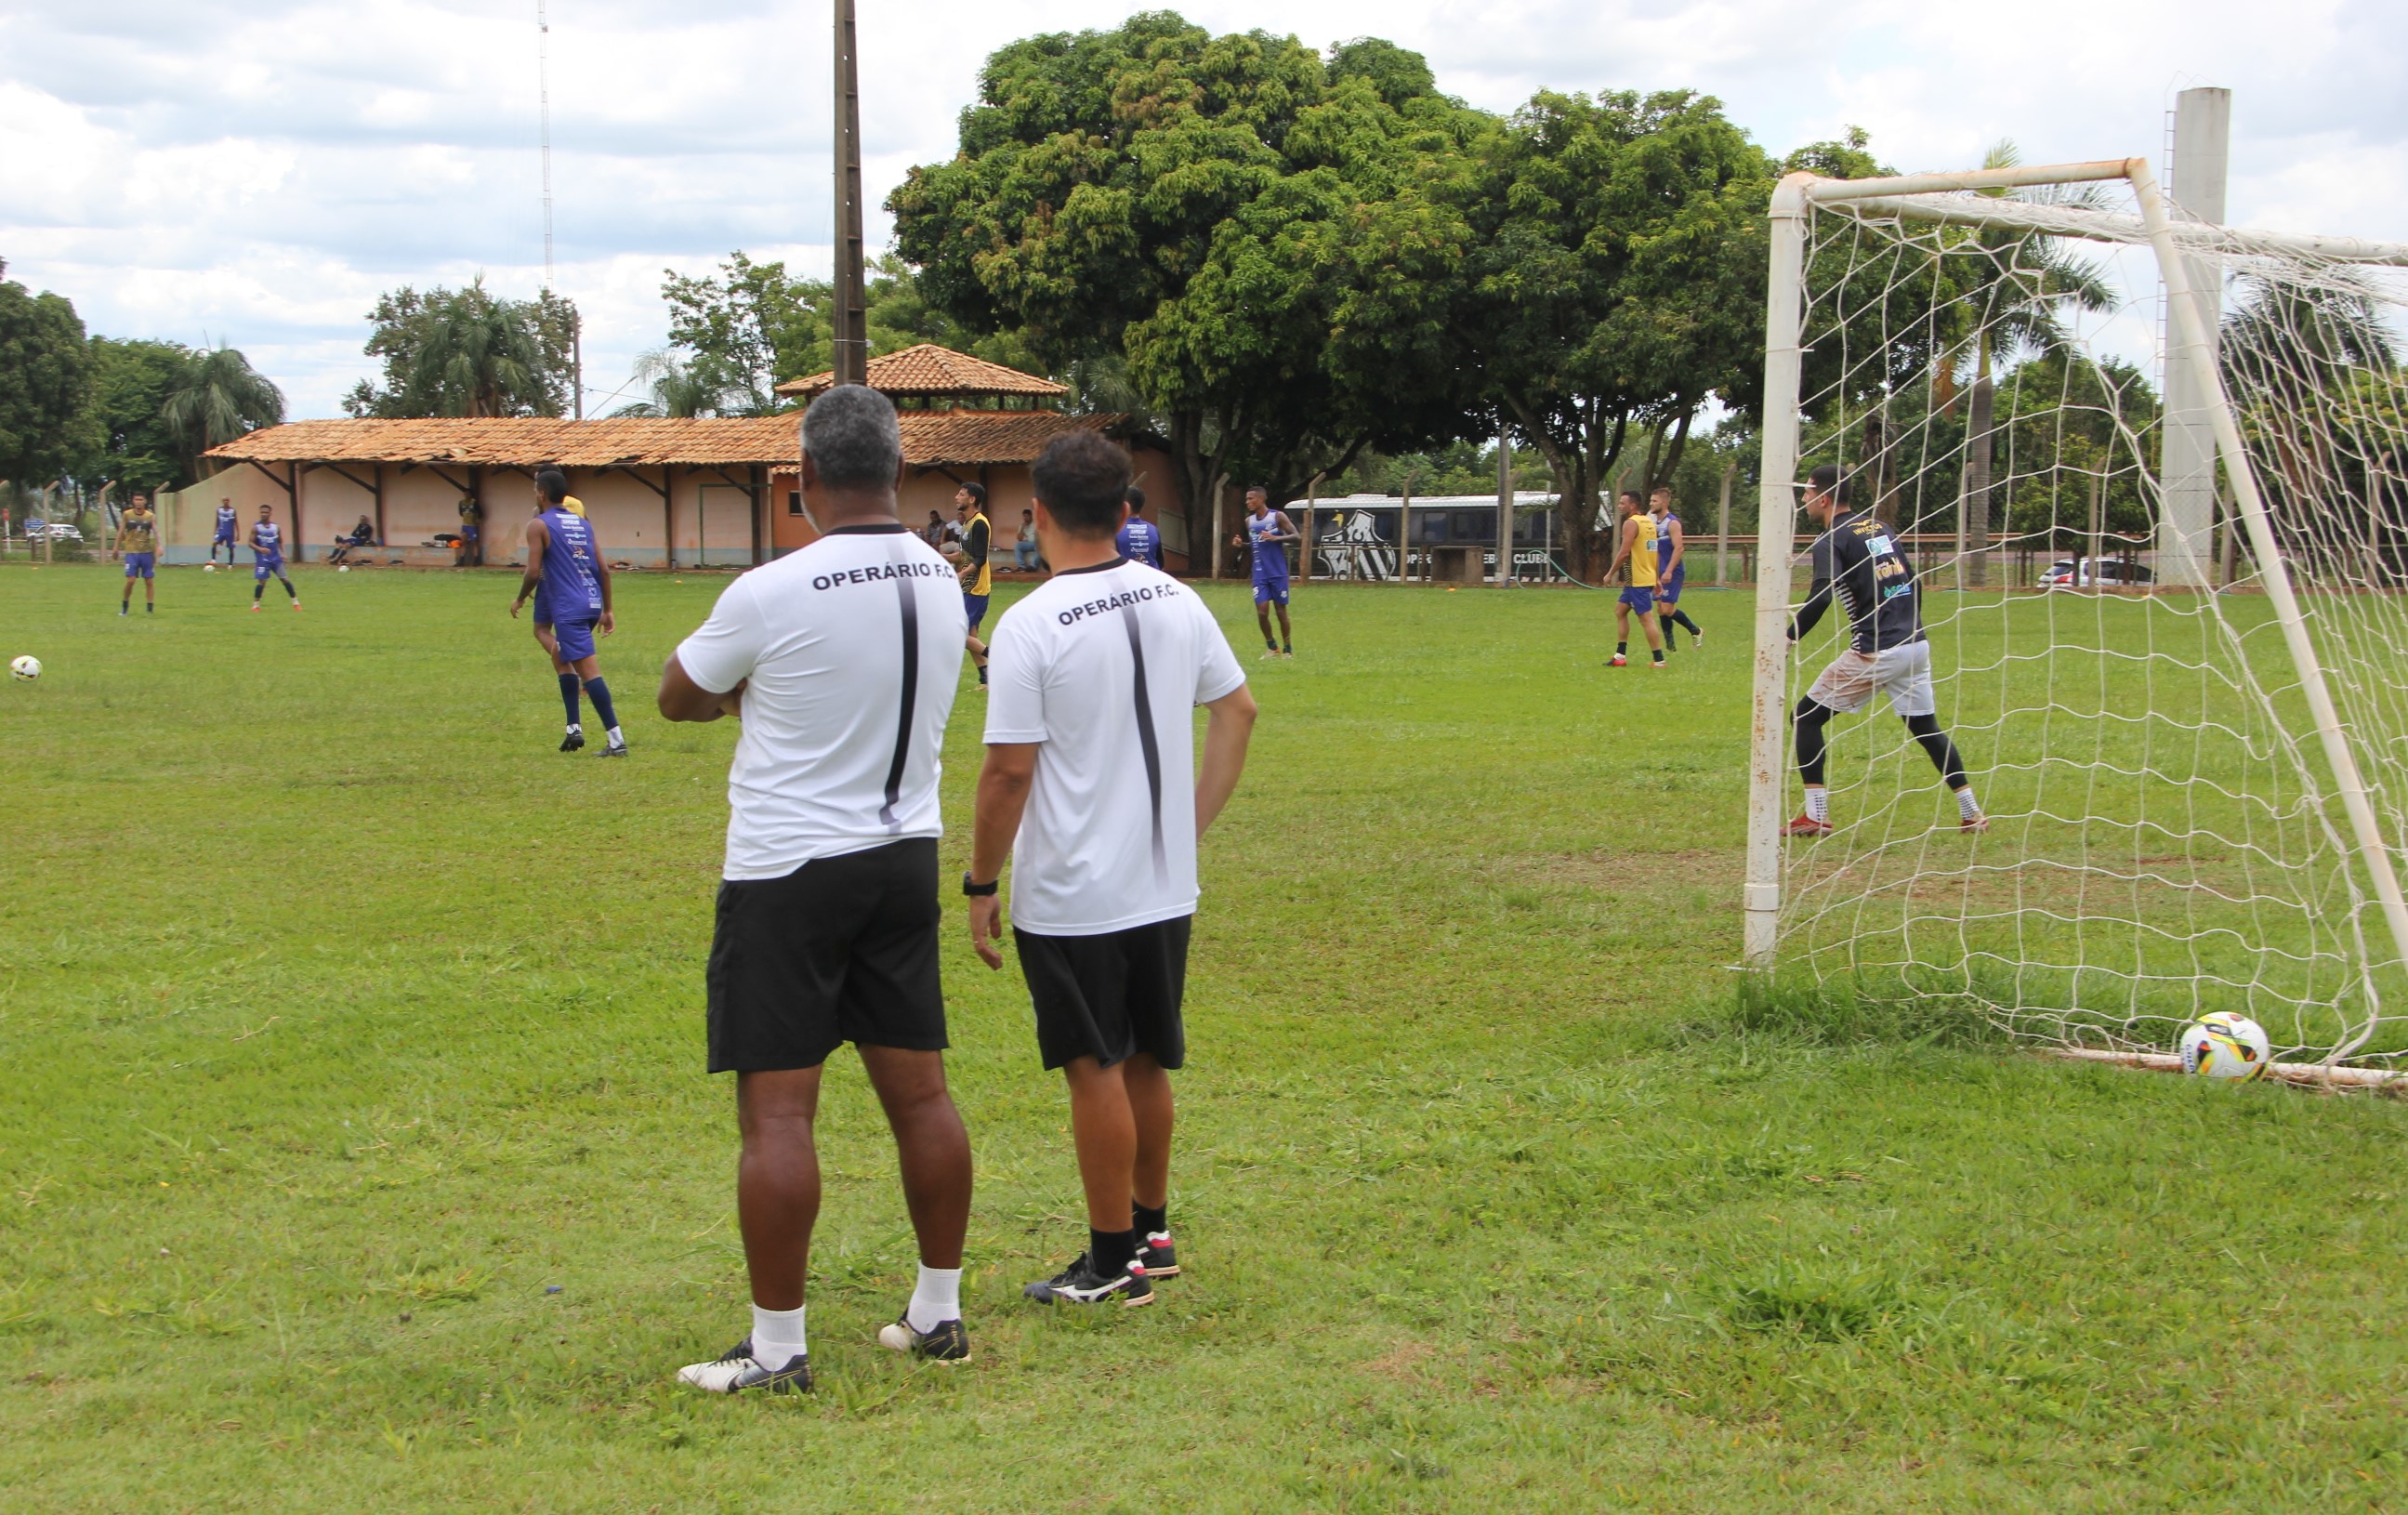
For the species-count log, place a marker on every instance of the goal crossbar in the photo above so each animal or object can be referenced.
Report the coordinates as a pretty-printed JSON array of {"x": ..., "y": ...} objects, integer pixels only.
[{"x": 1944, "y": 197}]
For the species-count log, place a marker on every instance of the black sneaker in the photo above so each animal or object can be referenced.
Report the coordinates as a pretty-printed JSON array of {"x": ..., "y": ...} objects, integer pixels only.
[
  {"x": 573, "y": 741},
  {"x": 1085, "y": 1283},
  {"x": 1160, "y": 1258},
  {"x": 736, "y": 1369},
  {"x": 615, "y": 749},
  {"x": 950, "y": 1342}
]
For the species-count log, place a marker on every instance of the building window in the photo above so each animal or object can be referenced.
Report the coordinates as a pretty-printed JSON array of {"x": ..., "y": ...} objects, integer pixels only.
[{"x": 794, "y": 502}]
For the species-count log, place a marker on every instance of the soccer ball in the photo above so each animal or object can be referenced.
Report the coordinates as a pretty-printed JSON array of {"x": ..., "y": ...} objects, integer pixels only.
[
  {"x": 342, "y": 568},
  {"x": 26, "y": 669},
  {"x": 2223, "y": 1045},
  {"x": 208, "y": 567}
]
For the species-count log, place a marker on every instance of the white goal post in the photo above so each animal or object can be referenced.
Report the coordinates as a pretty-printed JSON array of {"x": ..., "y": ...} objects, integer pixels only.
[{"x": 2250, "y": 808}]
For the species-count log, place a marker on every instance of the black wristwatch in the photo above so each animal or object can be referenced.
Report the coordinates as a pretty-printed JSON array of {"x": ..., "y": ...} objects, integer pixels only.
[{"x": 979, "y": 891}]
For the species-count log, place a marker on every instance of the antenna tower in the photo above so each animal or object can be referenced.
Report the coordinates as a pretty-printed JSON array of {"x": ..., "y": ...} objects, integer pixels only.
[{"x": 543, "y": 99}]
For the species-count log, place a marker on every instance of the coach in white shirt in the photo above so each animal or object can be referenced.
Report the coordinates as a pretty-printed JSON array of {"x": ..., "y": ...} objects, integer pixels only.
[
  {"x": 1090, "y": 761},
  {"x": 841, "y": 658}
]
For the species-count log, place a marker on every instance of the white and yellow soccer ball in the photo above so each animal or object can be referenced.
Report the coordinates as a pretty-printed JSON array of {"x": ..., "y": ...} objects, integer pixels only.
[
  {"x": 208, "y": 567},
  {"x": 26, "y": 669},
  {"x": 342, "y": 568},
  {"x": 2223, "y": 1045}
]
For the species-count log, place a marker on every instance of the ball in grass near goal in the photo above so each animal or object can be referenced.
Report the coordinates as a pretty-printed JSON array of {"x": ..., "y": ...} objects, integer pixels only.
[
  {"x": 26, "y": 669},
  {"x": 343, "y": 568},
  {"x": 2223, "y": 1045},
  {"x": 208, "y": 567}
]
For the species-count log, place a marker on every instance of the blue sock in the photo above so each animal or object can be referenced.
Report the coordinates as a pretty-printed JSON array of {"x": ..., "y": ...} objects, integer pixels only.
[
  {"x": 599, "y": 692},
  {"x": 569, "y": 695}
]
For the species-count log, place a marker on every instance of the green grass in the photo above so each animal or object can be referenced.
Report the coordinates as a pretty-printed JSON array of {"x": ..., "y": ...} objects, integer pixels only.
[{"x": 342, "y": 1019}]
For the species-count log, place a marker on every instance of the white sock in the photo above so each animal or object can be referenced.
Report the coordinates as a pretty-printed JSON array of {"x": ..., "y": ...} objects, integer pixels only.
[
  {"x": 616, "y": 738},
  {"x": 778, "y": 1335},
  {"x": 934, "y": 1299},
  {"x": 1966, "y": 808},
  {"x": 574, "y": 727},
  {"x": 1819, "y": 804}
]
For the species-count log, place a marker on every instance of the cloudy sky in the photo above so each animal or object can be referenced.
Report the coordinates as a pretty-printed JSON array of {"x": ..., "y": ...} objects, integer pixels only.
[{"x": 255, "y": 173}]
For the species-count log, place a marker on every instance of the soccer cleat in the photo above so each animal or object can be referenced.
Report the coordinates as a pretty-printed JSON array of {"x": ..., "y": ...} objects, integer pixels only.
[
  {"x": 615, "y": 749},
  {"x": 1618, "y": 660},
  {"x": 1085, "y": 1283},
  {"x": 296, "y": 605},
  {"x": 573, "y": 741},
  {"x": 1657, "y": 662},
  {"x": 1974, "y": 824},
  {"x": 736, "y": 1369},
  {"x": 950, "y": 1342},
  {"x": 1159, "y": 1258},
  {"x": 255, "y": 608},
  {"x": 1697, "y": 641},
  {"x": 121, "y": 609},
  {"x": 1806, "y": 825}
]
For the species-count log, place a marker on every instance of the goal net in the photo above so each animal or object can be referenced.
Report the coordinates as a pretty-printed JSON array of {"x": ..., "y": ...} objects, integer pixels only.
[{"x": 2152, "y": 479}]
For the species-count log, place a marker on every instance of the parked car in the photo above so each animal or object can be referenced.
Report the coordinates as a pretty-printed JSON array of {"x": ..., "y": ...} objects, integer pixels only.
[{"x": 2082, "y": 573}]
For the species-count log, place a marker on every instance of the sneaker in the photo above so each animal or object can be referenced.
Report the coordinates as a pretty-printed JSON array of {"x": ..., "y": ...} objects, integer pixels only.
[
  {"x": 1618, "y": 660},
  {"x": 574, "y": 740},
  {"x": 1159, "y": 1258},
  {"x": 615, "y": 749},
  {"x": 1806, "y": 825},
  {"x": 950, "y": 1342},
  {"x": 1084, "y": 1284},
  {"x": 738, "y": 1369}
]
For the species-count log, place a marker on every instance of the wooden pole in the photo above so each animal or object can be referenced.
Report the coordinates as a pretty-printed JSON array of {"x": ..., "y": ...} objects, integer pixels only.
[
  {"x": 852, "y": 364},
  {"x": 1504, "y": 511},
  {"x": 1722, "y": 526}
]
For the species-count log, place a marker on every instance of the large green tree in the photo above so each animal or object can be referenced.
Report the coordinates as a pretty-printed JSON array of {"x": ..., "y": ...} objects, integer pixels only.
[
  {"x": 470, "y": 352},
  {"x": 1265, "y": 235},
  {"x": 47, "y": 420},
  {"x": 217, "y": 397},
  {"x": 132, "y": 381},
  {"x": 1615, "y": 285},
  {"x": 740, "y": 331}
]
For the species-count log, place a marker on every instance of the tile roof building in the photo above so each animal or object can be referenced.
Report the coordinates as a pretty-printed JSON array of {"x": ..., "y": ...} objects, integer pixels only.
[
  {"x": 933, "y": 373},
  {"x": 708, "y": 491}
]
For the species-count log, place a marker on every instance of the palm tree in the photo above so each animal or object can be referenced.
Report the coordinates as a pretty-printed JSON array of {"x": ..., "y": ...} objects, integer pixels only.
[
  {"x": 2017, "y": 284},
  {"x": 217, "y": 398},
  {"x": 677, "y": 389},
  {"x": 479, "y": 356}
]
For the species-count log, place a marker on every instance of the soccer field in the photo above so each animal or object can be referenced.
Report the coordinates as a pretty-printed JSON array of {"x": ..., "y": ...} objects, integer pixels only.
[{"x": 356, "y": 1152}]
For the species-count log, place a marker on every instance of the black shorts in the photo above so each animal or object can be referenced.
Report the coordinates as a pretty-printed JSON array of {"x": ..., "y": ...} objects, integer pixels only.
[
  {"x": 1112, "y": 996},
  {"x": 843, "y": 948}
]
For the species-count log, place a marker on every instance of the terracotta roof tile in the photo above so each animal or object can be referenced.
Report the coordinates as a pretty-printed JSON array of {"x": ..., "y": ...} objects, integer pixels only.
[
  {"x": 930, "y": 438},
  {"x": 930, "y": 369}
]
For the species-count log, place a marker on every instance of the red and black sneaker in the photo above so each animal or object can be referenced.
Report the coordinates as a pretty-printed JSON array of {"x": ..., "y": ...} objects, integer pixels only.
[{"x": 1161, "y": 1259}]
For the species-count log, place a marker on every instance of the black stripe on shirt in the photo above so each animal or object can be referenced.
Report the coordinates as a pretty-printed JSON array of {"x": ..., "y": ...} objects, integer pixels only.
[
  {"x": 1145, "y": 739},
  {"x": 909, "y": 601}
]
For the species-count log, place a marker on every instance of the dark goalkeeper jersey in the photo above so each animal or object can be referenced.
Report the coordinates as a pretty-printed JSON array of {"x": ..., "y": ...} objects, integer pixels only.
[{"x": 1874, "y": 583}]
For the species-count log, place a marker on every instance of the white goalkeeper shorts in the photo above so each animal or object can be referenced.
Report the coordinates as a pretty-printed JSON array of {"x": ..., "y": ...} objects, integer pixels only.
[{"x": 1902, "y": 673}]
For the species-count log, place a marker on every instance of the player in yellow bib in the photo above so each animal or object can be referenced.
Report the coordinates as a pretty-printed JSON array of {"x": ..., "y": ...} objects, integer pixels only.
[
  {"x": 977, "y": 574},
  {"x": 137, "y": 539},
  {"x": 1637, "y": 548}
]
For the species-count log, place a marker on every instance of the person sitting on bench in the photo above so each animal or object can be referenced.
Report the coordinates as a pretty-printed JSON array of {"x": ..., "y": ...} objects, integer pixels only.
[{"x": 363, "y": 534}]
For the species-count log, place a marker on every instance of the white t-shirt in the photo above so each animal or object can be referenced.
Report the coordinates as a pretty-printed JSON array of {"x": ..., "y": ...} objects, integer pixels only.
[
  {"x": 1104, "y": 667},
  {"x": 853, "y": 647}
]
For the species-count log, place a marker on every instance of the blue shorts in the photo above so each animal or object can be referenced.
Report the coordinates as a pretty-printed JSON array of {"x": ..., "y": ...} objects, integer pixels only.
[
  {"x": 575, "y": 638},
  {"x": 225, "y": 536},
  {"x": 140, "y": 564},
  {"x": 1271, "y": 591},
  {"x": 262, "y": 568},
  {"x": 1640, "y": 599},
  {"x": 1668, "y": 589},
  {"x": 974, "y": 607}
]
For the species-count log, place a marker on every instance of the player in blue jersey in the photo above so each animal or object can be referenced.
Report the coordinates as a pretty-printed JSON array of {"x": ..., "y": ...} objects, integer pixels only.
[
  {"x": 1672, "y": 567},
  {"x": 226, "y": 532},
  {"x": 571, "y": 585},
  {"x": 1139, "y": 539},
  {"x": 1268, "y": 532},
  {"x": 267, "y": 557}
]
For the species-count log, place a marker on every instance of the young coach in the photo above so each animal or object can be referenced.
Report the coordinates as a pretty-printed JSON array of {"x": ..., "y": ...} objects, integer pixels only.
[
  {"x": 1090, "y": 764},
  {"x": 841, "y": 659}
]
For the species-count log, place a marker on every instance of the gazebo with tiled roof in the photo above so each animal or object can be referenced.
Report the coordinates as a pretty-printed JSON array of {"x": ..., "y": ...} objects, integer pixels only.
[{"x": 939, "y": 377}]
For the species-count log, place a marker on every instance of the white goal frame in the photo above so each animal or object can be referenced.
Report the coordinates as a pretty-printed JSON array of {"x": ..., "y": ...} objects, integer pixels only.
[{"x": 2191, "y": 340}]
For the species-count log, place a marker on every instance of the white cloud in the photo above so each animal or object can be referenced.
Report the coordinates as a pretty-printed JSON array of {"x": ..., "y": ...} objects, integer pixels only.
[{"x": 257, "y": 173}]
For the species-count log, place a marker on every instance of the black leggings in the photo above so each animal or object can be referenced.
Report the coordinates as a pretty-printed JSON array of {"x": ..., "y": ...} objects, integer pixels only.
[{"x": 1812, "y": 716}]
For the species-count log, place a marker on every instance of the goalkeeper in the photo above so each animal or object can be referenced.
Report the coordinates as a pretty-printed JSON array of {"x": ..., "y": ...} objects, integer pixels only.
[{"x": 1887, "y": 652}]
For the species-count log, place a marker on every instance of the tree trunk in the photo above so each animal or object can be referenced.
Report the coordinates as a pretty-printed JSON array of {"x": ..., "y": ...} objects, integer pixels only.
[{"x": 1978, "y": 445}]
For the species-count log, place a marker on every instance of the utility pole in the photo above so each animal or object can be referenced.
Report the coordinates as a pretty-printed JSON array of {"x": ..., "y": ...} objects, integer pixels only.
[
  {"x": 852, "y": 305},
  {"x": 543, "y": 108},
  {"x": 1504, "y": 508}
]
